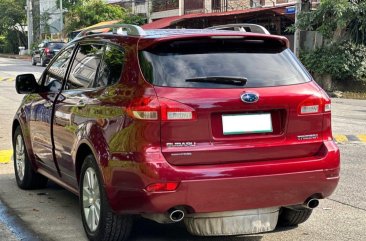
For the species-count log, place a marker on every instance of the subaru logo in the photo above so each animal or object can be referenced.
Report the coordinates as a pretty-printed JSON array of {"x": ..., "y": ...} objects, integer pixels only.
[{"x": 249, "y": 97}]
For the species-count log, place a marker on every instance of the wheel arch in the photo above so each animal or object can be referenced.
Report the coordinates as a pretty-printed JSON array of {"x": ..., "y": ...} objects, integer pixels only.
[
  {"x": 26, "y": 138},
  {"x": 84, "y": 149},
  {"x": 16, "y": 123}
]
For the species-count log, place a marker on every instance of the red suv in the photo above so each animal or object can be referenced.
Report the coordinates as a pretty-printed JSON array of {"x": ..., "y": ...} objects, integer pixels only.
[{"x": 225, "y": 131}]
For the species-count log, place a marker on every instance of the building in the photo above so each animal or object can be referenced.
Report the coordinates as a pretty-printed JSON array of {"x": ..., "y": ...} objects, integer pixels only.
[
  {"x": 49, "y": 17},
  {"x": 159, "y": 9}
]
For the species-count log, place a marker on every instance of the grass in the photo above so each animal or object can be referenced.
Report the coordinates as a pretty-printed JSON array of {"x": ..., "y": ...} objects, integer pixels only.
[{"x": 354, "y": 95}]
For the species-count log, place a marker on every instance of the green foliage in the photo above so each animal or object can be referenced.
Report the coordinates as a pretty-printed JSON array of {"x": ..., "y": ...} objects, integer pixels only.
[
  {"x": 343, "y": 61},
  {"x": 337, "y": 19},
  {"x": 90, "y": 12},
  {"x": 12, "y": 19},
  {"x": 134, "y": 19}
]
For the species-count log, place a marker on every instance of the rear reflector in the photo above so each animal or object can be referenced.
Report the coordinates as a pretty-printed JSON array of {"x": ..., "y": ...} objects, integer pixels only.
[
  {"x": 327, "y": 107},
  {"x": 145, "y": 115},
  {"x": 179, "y": 115},
  {"x": 310, "y": 109},
  {"x": 162, "y": 187}
]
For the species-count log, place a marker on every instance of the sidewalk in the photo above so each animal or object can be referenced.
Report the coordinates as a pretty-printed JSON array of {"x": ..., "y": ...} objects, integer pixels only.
[{"x": 15, "y": 56}]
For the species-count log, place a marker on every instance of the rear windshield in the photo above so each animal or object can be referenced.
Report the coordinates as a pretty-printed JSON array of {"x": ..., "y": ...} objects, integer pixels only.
[
  {"x": 199, "y": 63},
  {"x": 56, "y": 45}
]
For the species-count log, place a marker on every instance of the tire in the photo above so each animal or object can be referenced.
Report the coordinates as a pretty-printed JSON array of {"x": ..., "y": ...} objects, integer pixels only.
[
  {"x": 25, "y": 176},
  {"x": 43, "y": 64},
  {"x": 110, "y": 226},
  {"x": 34, "y": 63},
  {"x": 292, "y": 217}
]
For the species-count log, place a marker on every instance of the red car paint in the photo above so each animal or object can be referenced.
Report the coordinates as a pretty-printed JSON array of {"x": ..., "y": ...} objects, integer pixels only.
[{"x": 191, "y": 162}]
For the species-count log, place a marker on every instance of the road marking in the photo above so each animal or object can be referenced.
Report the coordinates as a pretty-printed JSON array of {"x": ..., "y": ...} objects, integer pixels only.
[
  {"x": 9, "y": 79},
  {"x": 5, "y": 156},
  {"x": 340, "y": 138},
  {"x": 343, "y": 139},
  {"x": 362, "y": 137}
]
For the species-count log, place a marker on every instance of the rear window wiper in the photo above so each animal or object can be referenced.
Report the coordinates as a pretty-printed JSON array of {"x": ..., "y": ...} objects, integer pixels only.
[{"x": 230, "y": 80}]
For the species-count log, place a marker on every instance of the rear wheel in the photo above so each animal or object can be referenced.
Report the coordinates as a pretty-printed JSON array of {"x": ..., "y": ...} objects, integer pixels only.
[
  {"x": 34, "y": 61},
  {"x": 100, "y": 222},
  {"x": 292, "y": 217},
  {"x": 43, "y": 64},
  {"x": 25, "y": 176}
]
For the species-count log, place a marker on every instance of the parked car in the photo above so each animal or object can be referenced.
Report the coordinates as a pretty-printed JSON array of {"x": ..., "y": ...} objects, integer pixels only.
[
  {"x": 46, "y": 51},
  {"x": 223, "y": 130}
]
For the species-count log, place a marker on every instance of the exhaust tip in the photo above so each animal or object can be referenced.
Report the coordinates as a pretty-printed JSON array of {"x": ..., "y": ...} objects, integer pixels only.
[
  {"x": 176, "y": 215},
  {"x": 312, "y": 203}
]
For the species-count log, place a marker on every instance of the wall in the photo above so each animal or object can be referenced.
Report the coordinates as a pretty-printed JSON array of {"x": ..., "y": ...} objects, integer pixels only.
[{"x": 238, "y": 4}]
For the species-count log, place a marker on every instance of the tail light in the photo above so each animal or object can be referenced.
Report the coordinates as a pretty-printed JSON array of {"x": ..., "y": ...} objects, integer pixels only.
[
  {"x": 162, "y": 187},
  {"x": 153, "y": 108},
  {"x": 47, "y": 50},
  {"x": 314, "y": 105}
]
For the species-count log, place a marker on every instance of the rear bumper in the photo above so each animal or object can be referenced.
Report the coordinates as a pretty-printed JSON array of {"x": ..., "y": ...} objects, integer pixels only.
[{"x": 227, "y": 187}]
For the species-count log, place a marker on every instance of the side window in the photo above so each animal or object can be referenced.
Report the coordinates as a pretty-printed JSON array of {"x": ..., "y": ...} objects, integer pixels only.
[
  {"x": 56, "y": 71},
  {"x": 85, "y": 66},
  {"x": 111, "y": 66}
]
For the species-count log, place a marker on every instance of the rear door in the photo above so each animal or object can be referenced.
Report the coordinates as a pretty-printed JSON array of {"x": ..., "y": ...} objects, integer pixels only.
[
  {"x": 83, "y": 106},
  {"x": 246, "y": 98},
  {"x": 42, "y": 110}
]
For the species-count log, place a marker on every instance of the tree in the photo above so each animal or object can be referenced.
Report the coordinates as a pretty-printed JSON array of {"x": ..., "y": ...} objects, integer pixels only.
[
  {"x": 12, "y": 21},
  {"x": 337, "y": 20},
  {"x": 89, "y": 12}
]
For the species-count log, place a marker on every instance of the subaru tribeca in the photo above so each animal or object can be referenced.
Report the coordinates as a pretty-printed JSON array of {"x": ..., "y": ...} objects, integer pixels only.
[{"x": 225, "y": 131}]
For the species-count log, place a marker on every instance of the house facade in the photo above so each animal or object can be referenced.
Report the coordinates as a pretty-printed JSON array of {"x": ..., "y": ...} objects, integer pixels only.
[{"x": 158, "y": 9}]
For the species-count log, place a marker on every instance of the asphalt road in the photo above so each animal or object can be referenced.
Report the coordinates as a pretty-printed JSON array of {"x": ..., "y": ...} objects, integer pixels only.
[{"x": 53, "y": 213}]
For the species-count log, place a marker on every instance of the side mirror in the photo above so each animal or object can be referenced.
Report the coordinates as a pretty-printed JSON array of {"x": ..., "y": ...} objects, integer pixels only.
[{"x": 26, "y": 84}]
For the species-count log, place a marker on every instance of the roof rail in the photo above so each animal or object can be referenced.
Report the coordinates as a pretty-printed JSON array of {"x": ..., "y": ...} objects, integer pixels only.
[
  {"x": 254, "y": 28},
  {"x": 131, "y": 30}
]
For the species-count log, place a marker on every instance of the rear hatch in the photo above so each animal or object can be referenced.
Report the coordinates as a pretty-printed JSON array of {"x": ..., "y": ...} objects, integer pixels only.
[
  {"x": 234, "y": 100},
  {"x": 55, "y": 47}
]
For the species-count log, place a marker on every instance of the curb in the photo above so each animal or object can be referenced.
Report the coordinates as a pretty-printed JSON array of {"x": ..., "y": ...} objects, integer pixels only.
[
  {"x": 342, "y": 139},
  {"x": 5, "y": 156},
  {"x": 13, "y": 56}
]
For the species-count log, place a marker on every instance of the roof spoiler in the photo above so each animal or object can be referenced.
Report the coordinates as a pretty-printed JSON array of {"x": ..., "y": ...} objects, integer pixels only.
[
  {"x": 125, "y": 29},
  {"x": 242, "y": 27}
]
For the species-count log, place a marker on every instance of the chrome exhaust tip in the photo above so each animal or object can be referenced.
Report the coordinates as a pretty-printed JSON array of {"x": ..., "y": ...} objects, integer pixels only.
[
  {"x": 312, "y": 203},
  {"x": 176, "y": 215}
]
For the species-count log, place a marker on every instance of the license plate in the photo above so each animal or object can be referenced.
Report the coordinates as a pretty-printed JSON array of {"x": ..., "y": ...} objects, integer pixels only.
[{"x": 246, "y": 123}]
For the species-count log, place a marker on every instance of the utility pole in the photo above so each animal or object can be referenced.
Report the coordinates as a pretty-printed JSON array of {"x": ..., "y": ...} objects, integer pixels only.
[
  {"x": 30, "y": 24},
  {"x": 297, "y": 31},
  {"x": 61, "y": 20}
]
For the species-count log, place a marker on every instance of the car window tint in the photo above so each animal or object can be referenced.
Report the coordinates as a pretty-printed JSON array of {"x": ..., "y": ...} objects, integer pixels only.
[
  {"x": 262, "y": 63},
  {"x": 111, "y": 66},
  {"x": 85, "y": 66},
  {"x": 56, "y": 45},
  {"x": 57, "y": 70}
]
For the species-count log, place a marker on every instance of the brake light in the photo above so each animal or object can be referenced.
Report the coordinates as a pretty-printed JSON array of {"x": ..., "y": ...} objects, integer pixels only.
[
  {"x": 162, "y": 187},
  {"x": 152, "y": 108},
  {"x": 173, "y": 110},
  {"x": 145, "y": 108},
  {"x": 314, "y": 105},
  {"x": 47, "y": 50}
]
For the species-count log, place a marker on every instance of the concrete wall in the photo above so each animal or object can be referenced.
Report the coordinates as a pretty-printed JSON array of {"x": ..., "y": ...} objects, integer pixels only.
[
  {"x": 165, "y": 14},
  {"x": 238, "y": 4}
]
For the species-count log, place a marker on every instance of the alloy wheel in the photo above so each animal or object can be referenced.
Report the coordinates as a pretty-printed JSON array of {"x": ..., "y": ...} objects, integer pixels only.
[
  {"x": 20, "y": 157},
  {"x": 91, "y": 199}
]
